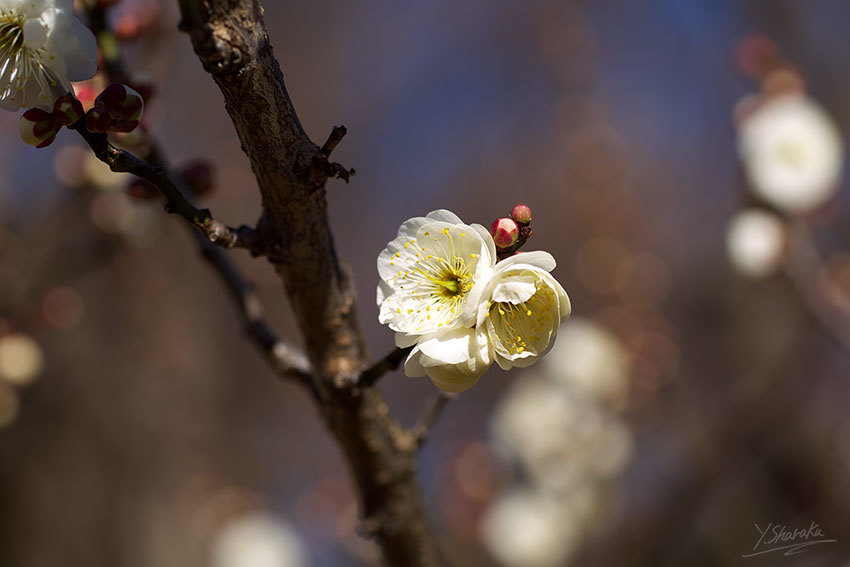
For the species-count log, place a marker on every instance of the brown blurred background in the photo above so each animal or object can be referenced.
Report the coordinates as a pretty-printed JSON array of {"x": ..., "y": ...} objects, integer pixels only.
[{"x": 153, "y": 422}]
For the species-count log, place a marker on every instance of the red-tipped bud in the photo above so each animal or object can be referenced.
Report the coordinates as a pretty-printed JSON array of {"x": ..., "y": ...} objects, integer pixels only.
[
  {"x": 141, "y": 189},
  {"x": 199, "y": 176},
  {"x": 38, "y": 127},
  {"x": 122, "y": 102},
  {"x": 521, "y": 214},
  {"x": 505, "y": 232},
  {"x": 68, "y": 109},
  {"x": 98, "y": 120}
]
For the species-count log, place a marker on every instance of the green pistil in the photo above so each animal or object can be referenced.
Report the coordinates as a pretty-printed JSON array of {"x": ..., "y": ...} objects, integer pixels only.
[{"x": 450, "y": 285}]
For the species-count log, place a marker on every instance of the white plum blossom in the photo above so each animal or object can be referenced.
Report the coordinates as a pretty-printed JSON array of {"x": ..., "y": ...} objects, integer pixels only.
[
  {"x": 431, "y": 275},
  {"x": 755, "y": 241},
  {"x": 443, "y": 294},
  {"x": 43, "y": 47},
  {"x": 792, "y": 152},
  {"x": 521, "y": 308}
]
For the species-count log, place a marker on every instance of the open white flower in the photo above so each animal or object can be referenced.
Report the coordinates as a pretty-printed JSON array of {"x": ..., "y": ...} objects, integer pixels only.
[
  {"x": 521, "y": 308},
  {"x": 431, "y": 275},
  {"x": 792, "y": 152},
  {"x": 43, "y": 47}
]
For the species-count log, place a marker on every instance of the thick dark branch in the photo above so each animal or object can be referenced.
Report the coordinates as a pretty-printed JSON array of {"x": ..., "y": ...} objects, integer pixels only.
[
  {"x": 387, "y": 364},
  {"x": 124, "y": 161},
  {"x": 432, "y": 414},
  {"x": 231, "y": 42}
]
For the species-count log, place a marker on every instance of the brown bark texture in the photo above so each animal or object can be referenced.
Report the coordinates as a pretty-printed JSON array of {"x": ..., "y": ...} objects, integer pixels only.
[{"x": 230, "y": 38}]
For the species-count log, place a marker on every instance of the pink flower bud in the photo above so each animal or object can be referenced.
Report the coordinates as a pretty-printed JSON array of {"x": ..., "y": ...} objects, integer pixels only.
[
  {"x": 505, "y": 232},
  {"x": 98, "y": 120},
  {"x": 122, "y": 102},
  {"x": 38, "y": 128},
  {"x": 68, "y": 109},
  {"x": 521, "y": 214},
  {"x": 198, "y": 175}
]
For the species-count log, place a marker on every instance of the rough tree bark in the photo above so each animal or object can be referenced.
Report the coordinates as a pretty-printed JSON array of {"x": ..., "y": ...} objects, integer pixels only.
[{"x": 230, "y": 39}]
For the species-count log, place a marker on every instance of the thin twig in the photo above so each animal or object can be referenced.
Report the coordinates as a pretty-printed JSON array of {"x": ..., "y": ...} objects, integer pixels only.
[
  {"x": 123, "y": 161},
  {"x": 432, "y": 414},
  {"x": 285, "y": 360},
  {"x": 387, "y": 364},
  {"x": 334, "y": 139}
]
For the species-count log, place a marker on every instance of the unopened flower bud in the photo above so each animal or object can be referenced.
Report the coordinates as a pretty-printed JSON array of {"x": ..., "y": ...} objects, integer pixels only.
[
  {"x": 98, "y": 120},
  {"x": 38, "y": 127},
  {"x": 124, "y": 126},
  {"x": 505, "y": 232},
  {"x": 68, "y": 109},
  {"x": 521, "y": 214},
  {"x": 122, "y": 102},
  {"x": 198, "y": 175}
]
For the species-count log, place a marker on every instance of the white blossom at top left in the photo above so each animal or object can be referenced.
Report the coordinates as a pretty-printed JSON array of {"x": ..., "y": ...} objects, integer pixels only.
[{"x": 43, "y": 47}]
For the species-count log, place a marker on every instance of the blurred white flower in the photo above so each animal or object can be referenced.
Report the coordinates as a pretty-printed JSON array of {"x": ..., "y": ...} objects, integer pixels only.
[
  {"x": 21, "y": 359},
  {"x": 792, "y": 152},
  {"x": 521, "y": 308},
  {"x": 590, "y": 360},
  {"x": 431, "y": 275},
  {"x": 526, "y": 528},
  {"x": 755, "y": 241},
  {"x": 562, "y": 440},
  {"x": 43, "y": 47},
  {"x": 257, "y": 540}
]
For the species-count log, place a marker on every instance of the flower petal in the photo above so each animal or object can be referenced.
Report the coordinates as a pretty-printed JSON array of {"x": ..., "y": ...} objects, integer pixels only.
[{"x": 537, "y": 258}]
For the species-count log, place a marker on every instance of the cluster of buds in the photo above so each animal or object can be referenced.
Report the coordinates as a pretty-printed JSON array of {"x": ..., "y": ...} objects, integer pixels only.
[
  {"x": 117, "y": 109},
  {"x": 509, "y": 233},
  {"x": 39, "y": 127}
]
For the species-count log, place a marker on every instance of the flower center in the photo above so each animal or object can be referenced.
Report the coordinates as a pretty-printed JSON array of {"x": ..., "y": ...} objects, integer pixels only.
[
  {"x": 520, "y": 324},
  {"x": 11, "y": 34}
]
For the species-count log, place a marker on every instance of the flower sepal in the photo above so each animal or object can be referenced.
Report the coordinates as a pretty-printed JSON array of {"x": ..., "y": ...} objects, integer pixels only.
[{"x": 38, "y": 127}]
